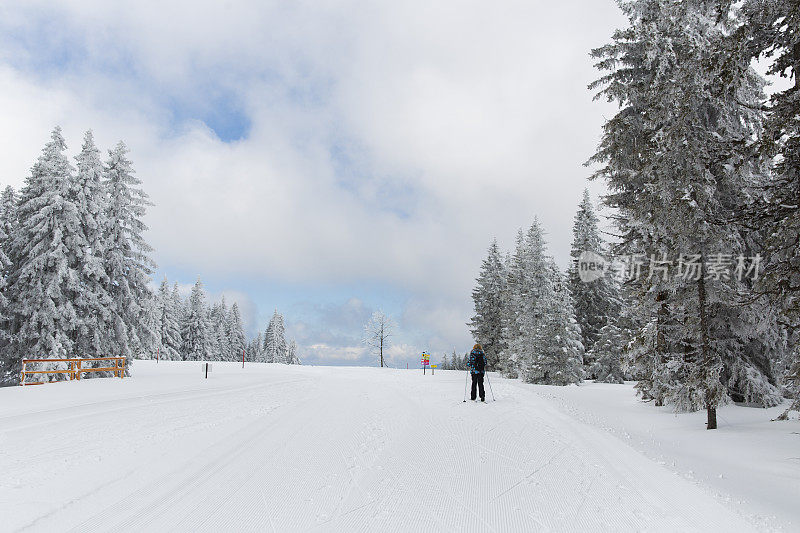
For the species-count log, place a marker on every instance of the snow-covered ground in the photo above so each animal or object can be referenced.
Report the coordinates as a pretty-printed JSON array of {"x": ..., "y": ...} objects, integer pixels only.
[{"x": 287, "y": 448}]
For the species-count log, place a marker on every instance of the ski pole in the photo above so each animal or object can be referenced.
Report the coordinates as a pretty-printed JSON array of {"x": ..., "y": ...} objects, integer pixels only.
[
  {"x": 466, "y": 380},
  {"x": 489, "y": 381}
]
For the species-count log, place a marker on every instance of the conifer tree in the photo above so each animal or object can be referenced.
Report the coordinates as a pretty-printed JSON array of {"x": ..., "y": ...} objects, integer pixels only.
[
  {"x": 596, "y": 301},
  {"x": 275, "y": 340},
  {"x": 8, "y": 210},
  {"x": 219, "y": 344},
  {"x": 235, "y": 333},
  {"x": 195, "y": 327},
  {"x": 256, "y": 349},
  {"x": 45, "y": 273},
  {"x": 93, "y": 305},
  {"x": 128, "y": 264},
  {"x": 556, "y": 357},
  {"x": 770, "y": 32},
  {"x": 607, "y": 354},
  {"x": 169, "y": 317},
  {"x": 487, "y": 324},
  {"x": 528, "y": 279},
  {"x": 292, "y": 357},
  {"x": 511, "y": 311},
  {"x": 669, "y": 161}
]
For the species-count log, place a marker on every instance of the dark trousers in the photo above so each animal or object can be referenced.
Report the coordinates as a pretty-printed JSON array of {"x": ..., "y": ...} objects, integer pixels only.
[{"x": 477, "y": 379}]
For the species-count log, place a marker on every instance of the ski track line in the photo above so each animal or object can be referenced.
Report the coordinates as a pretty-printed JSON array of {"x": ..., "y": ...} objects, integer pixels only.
[
  {"x": 661, "y": 490},
  {"x": 136, "y": 402},
  {"x": 237, "y": 476},
  {"x": 81, "y": 448},
  {"x": 150, "y": 484},
  {"x": 146, "y": 506}
]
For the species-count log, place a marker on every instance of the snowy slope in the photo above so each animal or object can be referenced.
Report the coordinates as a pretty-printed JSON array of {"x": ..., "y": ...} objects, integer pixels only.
[{"x": 286, "y": 448}]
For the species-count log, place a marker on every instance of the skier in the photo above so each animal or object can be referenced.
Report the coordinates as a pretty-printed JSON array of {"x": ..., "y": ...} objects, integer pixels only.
[{"x": 477, "y": 367}]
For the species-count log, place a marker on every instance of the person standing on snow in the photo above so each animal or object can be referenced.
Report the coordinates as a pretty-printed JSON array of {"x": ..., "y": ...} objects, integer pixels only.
[{"x": 477, "y": 368}]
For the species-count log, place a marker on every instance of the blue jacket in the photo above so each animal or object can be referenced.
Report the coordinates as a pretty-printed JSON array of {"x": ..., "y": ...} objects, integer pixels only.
[{"x": 477, "y": 362}]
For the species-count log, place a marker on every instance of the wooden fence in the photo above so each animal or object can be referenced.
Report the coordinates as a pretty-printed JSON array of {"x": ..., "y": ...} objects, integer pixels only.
[{"x": 75, "y": 368}]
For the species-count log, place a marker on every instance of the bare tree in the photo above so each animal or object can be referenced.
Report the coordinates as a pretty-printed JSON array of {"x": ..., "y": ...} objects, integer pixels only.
[{"x": 377, "y": 332}]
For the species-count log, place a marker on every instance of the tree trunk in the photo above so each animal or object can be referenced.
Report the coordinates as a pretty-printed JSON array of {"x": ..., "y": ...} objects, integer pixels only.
[
  {"x": 661, "y": 342},
  {"x": 711, "y": 415},
  {"x": 711, "y": 408},
  {"x": 381, "y": 349}
]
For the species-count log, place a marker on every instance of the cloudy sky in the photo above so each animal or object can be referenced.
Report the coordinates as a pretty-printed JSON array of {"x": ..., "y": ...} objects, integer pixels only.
[{"x": 325, "y": 158}]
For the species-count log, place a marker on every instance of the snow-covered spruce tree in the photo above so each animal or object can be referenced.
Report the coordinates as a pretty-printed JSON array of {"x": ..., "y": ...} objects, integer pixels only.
[
  {"x": 770, "y": 31},
  {"x": 607, "y": 354},
  {"x": 127, "y": 262},
  {"x": 275, "y": 340},
  {"x": 292, "y": 358},
  {"x": 557, "y": 358},
  {"x": 195, "y": 328},
  {"x": 219, "y": 344},
  {"x": 487, "y": 324},
  {"x": 377, "y": 332},
  {"x": 8, "y": 215},
  {"x": 674, "y": 178},
  {"x": 596, "y": 301},
  {"x": 45, "y": 272},
  {"x": 528, "y": 277},
  {"x": 169, "y": 320},
  {"x": 93, "y": 305},
  {"x": 235, "y": 333},
  {"x": 514, "y": 267},
  {"x": 255, "y": 349},
  {"x": 149, "y": 338}
]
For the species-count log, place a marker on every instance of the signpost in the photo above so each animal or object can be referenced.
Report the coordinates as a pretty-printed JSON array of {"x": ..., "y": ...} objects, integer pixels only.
[
  {"x": 426, "y": 360},
  {"x": 433, "y": 368}
]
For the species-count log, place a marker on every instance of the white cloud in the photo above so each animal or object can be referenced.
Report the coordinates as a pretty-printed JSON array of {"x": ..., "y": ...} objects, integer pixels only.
[{"x": 389, "y": 142}]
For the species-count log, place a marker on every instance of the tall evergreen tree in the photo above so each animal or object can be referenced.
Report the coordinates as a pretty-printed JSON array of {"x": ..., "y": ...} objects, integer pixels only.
[
  {"x": 556, "y": 357},
  {"x": 128, "y": 264},
  {"x": 219, "y": 345},
  {"x": 512, "y": 306},
  {"x": 596, "y": 301},
  {"x": 195, "y": 328},
  {"x": 169, "y": 319},
  {"x": 256, "y": 352},
  {"x": 275, "y": 340},
  {"x": 487, "y": 324},
  {"x": 291, "y": 354},
  {"x": 770, "y": 31},
  {"x": 235, "y": 332},
  {"x": 93, "y": 305},
  {"x": 607, "y": 354},
  {"x": 8, "y": 217},
  {"x": 669, "y": 161},
  {"x": 45, "y": 271},
  {"x": 528, "y": 279}
]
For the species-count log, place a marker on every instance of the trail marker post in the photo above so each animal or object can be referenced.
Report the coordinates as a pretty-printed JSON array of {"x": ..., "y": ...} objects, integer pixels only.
[
  {"x": 242, "y": 357},
  {"x": 207, "y": 368},
  {"x": 433, "y": 368}
]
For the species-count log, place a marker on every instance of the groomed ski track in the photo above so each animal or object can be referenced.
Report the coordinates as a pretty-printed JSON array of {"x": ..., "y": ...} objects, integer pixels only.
[{"x": 276, "y": 448}]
